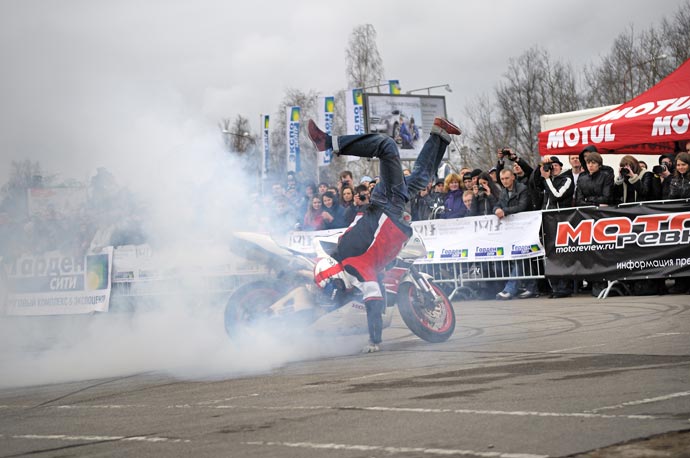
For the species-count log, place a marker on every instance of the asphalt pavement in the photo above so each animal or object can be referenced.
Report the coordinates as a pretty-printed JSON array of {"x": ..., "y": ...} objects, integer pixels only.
[{"x": 522, "y": 379}]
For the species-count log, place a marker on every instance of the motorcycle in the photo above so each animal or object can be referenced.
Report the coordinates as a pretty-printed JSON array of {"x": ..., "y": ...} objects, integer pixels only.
[{"x": 288, "y": 293}]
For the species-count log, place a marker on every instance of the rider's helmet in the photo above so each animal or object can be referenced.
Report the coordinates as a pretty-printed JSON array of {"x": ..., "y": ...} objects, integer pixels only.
[{"x": 330, "y": 276}]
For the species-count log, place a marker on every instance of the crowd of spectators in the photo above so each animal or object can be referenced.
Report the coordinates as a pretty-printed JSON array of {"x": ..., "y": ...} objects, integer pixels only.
[{"x": 512, "y": 186}]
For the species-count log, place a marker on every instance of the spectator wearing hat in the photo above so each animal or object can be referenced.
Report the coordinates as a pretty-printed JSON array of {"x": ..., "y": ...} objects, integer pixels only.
[
  {"x": 493, "y": 174},
  {"x": 596, "y": 186},
  {"x": 557, "y": 190},
  {"x": 366, "y": 179},
  {"x": 475, "y": 176},
  {"x": 467, "y": 182}
]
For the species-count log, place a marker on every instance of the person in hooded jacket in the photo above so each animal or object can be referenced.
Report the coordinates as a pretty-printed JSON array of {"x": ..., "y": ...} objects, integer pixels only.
[
  {"x": 635, "y": 184},
  {"x": 596, "y": 186}
]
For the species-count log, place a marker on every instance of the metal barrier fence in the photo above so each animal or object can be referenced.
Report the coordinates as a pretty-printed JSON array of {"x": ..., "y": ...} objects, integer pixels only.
[{"x": 463, "y": 280}]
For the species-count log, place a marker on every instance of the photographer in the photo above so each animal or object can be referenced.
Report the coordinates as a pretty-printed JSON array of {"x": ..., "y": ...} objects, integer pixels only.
[
  {"x": 634, "y": 184},
  {"x": 361, "y": 196},
  {"x": 664, "y": 171},
  {"x": 521, "y": 169},
  {"x": 421, "y": 204},
  {"x": 486, "y": 194},
  {"x": 557, "y": 190}
]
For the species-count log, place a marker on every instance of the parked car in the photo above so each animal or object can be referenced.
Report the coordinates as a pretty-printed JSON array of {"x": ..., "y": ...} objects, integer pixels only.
[{"x": 388, "y": 124}]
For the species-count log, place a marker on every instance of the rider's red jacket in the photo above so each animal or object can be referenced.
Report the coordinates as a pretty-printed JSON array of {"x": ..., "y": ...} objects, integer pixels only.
[{"x": 372, "y": 241}]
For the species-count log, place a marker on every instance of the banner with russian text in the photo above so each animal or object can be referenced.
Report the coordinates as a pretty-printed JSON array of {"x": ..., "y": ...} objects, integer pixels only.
[
  {"x": 56, "y": 283},
  {"x": 481, "y": 238},
  {"x": 616, "y": 243},
  {"x": 265, "y": 142},
  {"x": 328, "y": 104},
  {"x": 471, "y": 239},
  {"x": 354, "y": 105},
  {"x": 292, "y": 132}
]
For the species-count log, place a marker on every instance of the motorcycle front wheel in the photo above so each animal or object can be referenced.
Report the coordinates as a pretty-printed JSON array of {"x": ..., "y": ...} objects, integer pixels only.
[
  {"x": 250, "y": 303},
  {"x": 433, "y": 322}
]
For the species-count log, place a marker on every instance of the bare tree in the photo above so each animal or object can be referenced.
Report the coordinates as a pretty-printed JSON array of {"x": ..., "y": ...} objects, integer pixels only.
[
  {"x": 23, "y": 175},
  {"x": 364, "y": 63},
  {"x": 533, "y": 86},
  {"x": 237, "y": 134},
  {"x": 676, "y": 35}
]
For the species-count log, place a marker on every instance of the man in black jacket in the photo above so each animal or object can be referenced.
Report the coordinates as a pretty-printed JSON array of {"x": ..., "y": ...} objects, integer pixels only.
[{"x": 514, "y": 198}]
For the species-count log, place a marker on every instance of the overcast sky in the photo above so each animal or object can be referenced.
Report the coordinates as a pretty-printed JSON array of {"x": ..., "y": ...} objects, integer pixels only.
[{"x": 88, "y": 83}]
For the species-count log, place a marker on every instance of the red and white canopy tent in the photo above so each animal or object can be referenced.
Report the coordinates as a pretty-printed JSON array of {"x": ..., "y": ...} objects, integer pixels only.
[{"x": 648, "y": 124}]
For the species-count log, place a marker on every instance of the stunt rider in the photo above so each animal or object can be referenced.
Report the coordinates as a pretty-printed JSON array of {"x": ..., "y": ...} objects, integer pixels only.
[{"x": 379, "y": 231}]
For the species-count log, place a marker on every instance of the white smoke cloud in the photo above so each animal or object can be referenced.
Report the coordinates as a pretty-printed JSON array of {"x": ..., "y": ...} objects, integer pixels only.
[{"x": 190, "y": 193}]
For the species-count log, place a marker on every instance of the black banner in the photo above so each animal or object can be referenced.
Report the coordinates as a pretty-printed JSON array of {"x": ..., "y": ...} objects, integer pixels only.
[{"x": 616, "y": 243}]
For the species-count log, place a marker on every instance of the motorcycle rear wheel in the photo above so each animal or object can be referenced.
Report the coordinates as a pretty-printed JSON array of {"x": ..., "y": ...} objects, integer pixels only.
[
  {"x": 431, "y": 322},
  {"x": 250, "y": 303}
]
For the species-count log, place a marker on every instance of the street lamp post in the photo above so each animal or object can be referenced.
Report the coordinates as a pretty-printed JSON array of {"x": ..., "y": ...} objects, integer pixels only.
[
  {"x": 428, "y": 89},
  {"x": 377, "y": 86},
  {"x": 237, "y": 144}
]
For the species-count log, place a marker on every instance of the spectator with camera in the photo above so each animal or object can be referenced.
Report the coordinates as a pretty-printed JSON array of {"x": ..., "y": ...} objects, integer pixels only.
[
  {"x": 596, "y": 186},
  {"x": 514, "y": 198},
  {"x": 634, "y": 184},
  {"x": 521, "y": 169},
  {"x": 557, "y": 190},
  {"x": 421, "y": 205},
  {"x": 486, "y": 194},
  {"x": 361, "y": 196},
  {"x": 664, "y": 171}
]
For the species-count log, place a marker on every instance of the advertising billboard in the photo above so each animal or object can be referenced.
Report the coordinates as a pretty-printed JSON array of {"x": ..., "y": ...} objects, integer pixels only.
[{"x": 405, "y": 118}]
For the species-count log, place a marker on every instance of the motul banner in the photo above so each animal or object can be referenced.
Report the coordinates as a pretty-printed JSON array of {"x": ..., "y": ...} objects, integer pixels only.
[
  {"x": 614, "y": 243},
  {"x": 660, "y": 116}
]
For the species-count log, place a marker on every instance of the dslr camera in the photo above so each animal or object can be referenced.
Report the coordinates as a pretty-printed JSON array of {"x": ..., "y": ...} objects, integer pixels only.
[
  {"x": 624, "y": 172},
  {"x": 505, "y": 152},
  {"x": 362, "y": 196},
  {"x": 547, "y": 167},
  {"x": 659, "y": 169},
  {"x": 482, "y": 190}
]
